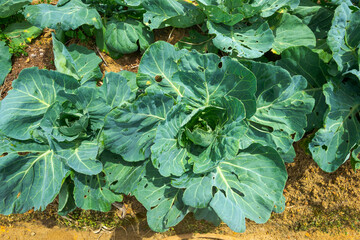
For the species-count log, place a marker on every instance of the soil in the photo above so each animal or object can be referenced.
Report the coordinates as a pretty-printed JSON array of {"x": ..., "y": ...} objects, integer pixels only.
[{"x": 319, "y": 205}]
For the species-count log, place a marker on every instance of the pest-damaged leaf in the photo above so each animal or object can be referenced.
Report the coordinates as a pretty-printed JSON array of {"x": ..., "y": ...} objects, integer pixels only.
[
  {"x": 69, "y": 16},
  {"x": 302, "y": 61},
  {"x": 180, "y": 14},
  {"x": 332, "y": 144},
  {"x": 282, "y": 106},
  {"x": 290, "y": 31},
  {"x": 163, "y": 202},
  {"x": 92, "y": 192},
  {"x": 343, "y": 38},
  {"x": 242, "y": 40}
]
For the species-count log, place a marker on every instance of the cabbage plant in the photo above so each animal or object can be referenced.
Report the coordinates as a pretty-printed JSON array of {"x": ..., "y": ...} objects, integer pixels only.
[{"x": 207, "y": 135}]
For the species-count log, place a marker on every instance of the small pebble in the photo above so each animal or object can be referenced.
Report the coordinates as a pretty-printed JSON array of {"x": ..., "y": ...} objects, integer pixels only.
[
  {"x": 33, "y": 233},
  {"x": 33, "y": 55}
]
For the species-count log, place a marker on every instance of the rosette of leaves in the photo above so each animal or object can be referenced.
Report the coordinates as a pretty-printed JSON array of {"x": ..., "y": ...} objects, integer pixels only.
[
  {"x": 55, "y": 124},
  {"x": 207, "y": 136}
]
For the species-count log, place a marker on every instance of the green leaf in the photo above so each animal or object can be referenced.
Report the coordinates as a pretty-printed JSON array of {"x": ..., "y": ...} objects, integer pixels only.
[
  {"x": 130, "y": 131},
  {"x": 72, "y": 15},
  {"x": 126, "y": 37},
  {"x": 269, "y": 7},
  {"x": 117, "y": 89},
  {"x": 302, "y": 61},
  {"x": 76, "y": 61},
  {"x": 332, "y": 144},
  {"x": 166, "y": 155},
  {"x": 20, "y": 33},
  {"x": 355, "y": 158},
  {"x": 5, "y": 61},
  {"x": 208, "y": 78},
  {"x": 33, "y": 93},
  {"x": 160, "y": 61},
  {"x": 198, "y": 42},
  {"x": 180, "y": 14},
  {"x": 290, "y": 31},
  {"x": 10, "y": 7},
  {"x": 282, "y": 106},
  {"x": 82, "y": 157},
  {"x": 66, "y": 198},
  {"x": 30, "y": 181},
  {"x": 93, "y": 193},
  {"x": 244, "y": 41},
  {"x": 248, "y": 186},
  {"x": 163, "y": 202},
  {"x": 343, "y": 38},
  {"x": 122, "y": 176},
  {"x": 226, "y": 12}
]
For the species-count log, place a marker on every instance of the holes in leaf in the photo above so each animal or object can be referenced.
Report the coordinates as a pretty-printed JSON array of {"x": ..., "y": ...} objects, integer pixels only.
[
  {"x": 223, "y": 192},
  {"x": 324, "y": 147},
  {"x": 85, "y": 196},
  {"x": 317, "y": 113},
  {"x": 220, "y": 65},
  {"x": 88, "y": 190},
  {"x": 357, "y": 115},
  {"x": 350, "y": 117},
  {"x": 158, "y": 78},
  {"x": 229, "y": 48},
  {"x": 238, "y": 192},
  {"x": 146, "y": 185},
  {"x": 214, "y": 190}
]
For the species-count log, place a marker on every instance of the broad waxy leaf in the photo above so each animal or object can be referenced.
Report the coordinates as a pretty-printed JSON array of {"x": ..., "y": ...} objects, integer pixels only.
[
  {"x": 226, "y": 12},
  {"x": 76, "y": 61},
  {"x": 10, "y": 7},
  {"x": 244, "y": 41},
  {"x": 332, "y": 144},
  {"x": 82, "y": 157},
  {"x": 198, "y": 42},
  {"x": 180, "y": 14},
  {"x": 5, "y": 61},
  {"x": 248, "y": 186},
  {"x": 130, "y": 131},
  {"x": 92, "y": 192},
  {"x": 302, "y": 61},
  {"x": 166, "y": 155},
  {"x": 117, "y": 89},
  {"x": 124, "y": 37},
  {"x": 269, "y": 7},
  {"x": 33, "y": 93},
  {"x": 160, "y": 61},
  {"x": 291, "y": 31},
  {"x": 281, "y": 111},
  {"x": 343, "y": 38},
  {"x": 21, "y": 32},
  {"x": 66, "y": 198},
  {"x": 69, "y": 16},
  {"x": 31, "y": 181},
  {"x": 122, "y": 176},
  {"x": 163, "y": 202},
  {"x": 208, "y": 78}
]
